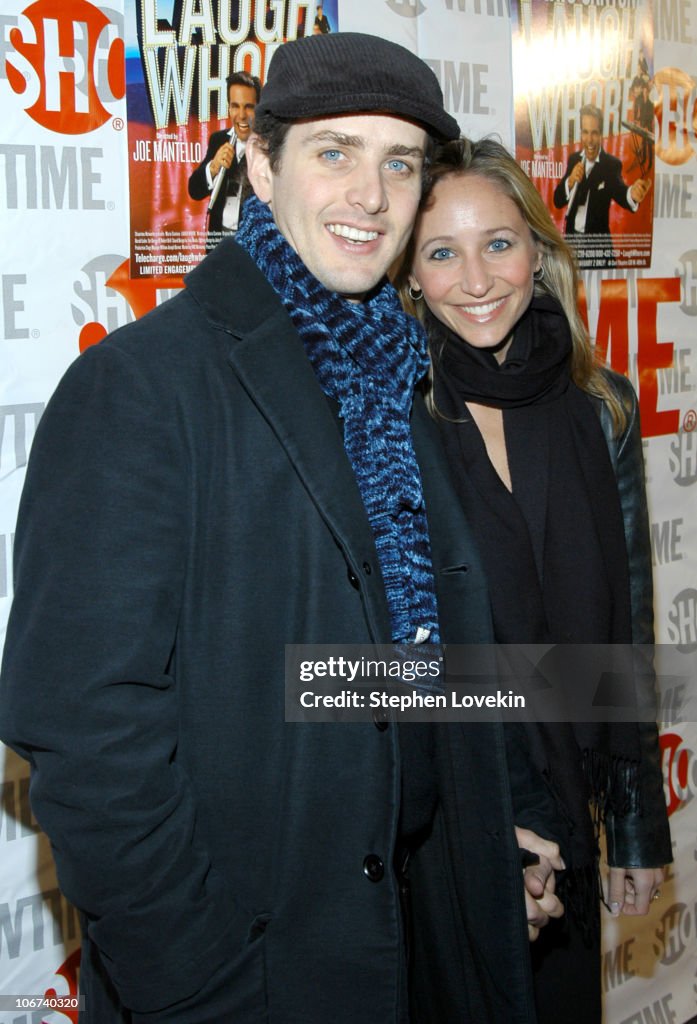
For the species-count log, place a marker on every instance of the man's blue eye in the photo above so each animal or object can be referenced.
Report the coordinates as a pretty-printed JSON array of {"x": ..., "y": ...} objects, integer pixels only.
[
  {"x": 398, "y": 165},
  {"x": 332, "y": 154}
]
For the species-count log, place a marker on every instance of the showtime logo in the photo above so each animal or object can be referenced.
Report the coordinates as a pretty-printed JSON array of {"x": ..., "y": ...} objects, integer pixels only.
[
  {"x": 67, "y": 59},
  {"x": 674, "y": 933},
  {"x": 675, "y": 104},
  {"x": 679, "y": 771},
  {"x": 406, "y": 8},
  {"x": 69, "y": 974},
  {"x": 682, "y": 621},
  {"x": 682, "y": 459},
  {"x": 106, "y": 297}
]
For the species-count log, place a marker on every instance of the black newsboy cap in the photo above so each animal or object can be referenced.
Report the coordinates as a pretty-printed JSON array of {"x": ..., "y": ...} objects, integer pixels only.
[{"x": 350, "y": 72}]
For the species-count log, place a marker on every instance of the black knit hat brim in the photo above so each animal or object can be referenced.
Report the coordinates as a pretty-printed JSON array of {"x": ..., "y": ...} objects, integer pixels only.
[{"x": 350, "y": 72}]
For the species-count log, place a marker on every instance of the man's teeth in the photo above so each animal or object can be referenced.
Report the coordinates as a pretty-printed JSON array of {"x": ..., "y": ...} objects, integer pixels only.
[
  {"x": 482, "y": 310},
  {"x": 353, "y": 234}
]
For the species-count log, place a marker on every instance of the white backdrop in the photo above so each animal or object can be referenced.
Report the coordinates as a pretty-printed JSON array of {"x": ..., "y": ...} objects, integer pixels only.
[{"x": 64, "y": 201}]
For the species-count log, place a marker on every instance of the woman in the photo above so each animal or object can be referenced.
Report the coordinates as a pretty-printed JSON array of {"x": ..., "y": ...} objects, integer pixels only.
[{"x": 546, "y": 453}]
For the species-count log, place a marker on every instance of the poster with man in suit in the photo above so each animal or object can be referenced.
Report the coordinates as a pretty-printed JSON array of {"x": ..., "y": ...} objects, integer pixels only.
[
  {"x": 593, "y": 180},
  {"x": 221, "y": 177},
  {"x": 578, "y": 138},
  {"x": 193, "y": 73}
]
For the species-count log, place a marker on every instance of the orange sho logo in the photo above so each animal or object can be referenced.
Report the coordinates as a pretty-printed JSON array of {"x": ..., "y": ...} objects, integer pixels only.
[
  {"x": 66, "y": 58},
  {"x": 679, "y": 770},
  {"x": 676, "y": 113},
  {"x": 69, "y": 971}
]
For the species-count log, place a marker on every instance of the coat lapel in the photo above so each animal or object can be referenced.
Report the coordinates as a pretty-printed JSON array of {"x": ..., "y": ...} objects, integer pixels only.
[
  {"x": 595, "y": 177},
  {"x": 461, "y": 588},
  {"x": 274, "y": 370}
]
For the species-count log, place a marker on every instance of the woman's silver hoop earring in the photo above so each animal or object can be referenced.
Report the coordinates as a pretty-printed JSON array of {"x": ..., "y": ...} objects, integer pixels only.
[
  {"x": 415, "y": 295},
  {"x": 539, "y": 273}
]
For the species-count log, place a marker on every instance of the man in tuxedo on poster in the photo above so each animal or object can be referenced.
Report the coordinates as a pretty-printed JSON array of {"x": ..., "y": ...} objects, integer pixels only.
[
  {"x": 221, "y": 177},
  {"x": 593, "y": 180}
]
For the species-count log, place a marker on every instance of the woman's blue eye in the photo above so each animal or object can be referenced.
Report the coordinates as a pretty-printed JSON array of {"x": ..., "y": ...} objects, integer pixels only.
[
  {"x": 499, "y": 244},
  {"x": 441, "y": 254}
]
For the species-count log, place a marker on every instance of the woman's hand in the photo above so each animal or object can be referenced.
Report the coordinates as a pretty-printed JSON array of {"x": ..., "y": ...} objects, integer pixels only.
[
  {"x": 541, "y": 903},
  {"x": 630, "y": 890}
]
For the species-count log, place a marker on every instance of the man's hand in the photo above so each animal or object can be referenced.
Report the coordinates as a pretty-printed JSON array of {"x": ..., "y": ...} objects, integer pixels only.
[
  {"x": 576, "y": 175},
  {"x": 639, "y": 189},
  {"x": 630, "y": 890},
  {"x": 223, "y": 158},
  {"x": 541, "y": 903}
]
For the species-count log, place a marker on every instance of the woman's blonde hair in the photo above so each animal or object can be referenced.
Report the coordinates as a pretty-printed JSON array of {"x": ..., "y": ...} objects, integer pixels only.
[{"x": 490, "y": 160}]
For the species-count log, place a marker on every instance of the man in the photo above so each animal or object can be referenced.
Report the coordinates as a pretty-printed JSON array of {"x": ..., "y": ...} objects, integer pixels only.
[
  {"x": 245, "y": 468},
  {"x": 321, "y": 25},
  {"x": 593, "y": 179},
  {"x": 226, "y": 156}
]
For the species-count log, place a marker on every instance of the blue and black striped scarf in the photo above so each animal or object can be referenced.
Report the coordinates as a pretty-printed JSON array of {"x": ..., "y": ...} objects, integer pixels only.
[{"x": 368, "y": 356}]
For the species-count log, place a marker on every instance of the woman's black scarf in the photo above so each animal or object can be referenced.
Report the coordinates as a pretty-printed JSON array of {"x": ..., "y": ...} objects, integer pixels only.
[{"x": 554, "y": 549}]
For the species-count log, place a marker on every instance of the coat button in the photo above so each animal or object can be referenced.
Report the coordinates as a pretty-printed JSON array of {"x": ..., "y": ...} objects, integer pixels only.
[
  {"x": 367, "y": 568},
  {"x": 353, "y": 579},
  {"x": 380, "y": 719},
  {"x": 373, "y": 868}
]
